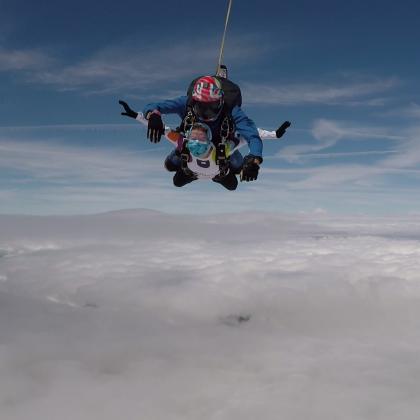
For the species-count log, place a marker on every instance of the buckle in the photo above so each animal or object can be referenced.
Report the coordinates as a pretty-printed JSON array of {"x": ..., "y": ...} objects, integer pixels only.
[
  {"x": 185, "y": 156},
  {"x": 221, "y": 154}
]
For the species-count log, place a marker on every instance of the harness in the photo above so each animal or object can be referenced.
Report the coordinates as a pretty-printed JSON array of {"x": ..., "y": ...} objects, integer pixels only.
[
  {"x": 220, "y": 137},
  {"x": 226, "y": 132},
  {"x": 185, "y": 158}
]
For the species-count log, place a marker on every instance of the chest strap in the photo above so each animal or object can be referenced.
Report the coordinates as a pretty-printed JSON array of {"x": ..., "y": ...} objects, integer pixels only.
[
  {"x": 225, "y": 132},
  {"x": 185, "y": 158},
  {"x": 222, "y": 160}
]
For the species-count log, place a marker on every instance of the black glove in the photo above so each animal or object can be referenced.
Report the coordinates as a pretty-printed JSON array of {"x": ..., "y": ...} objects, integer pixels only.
[
  {"x": 282, "y": 129},
  {"x": 128, "y": 111},
  {"x": 250, "y": 168},
  {"x": 155, "y": 128}
]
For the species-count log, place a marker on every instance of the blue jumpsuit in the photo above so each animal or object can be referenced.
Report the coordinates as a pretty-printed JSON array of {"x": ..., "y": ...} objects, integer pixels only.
[{"x": 244, "y": 126}]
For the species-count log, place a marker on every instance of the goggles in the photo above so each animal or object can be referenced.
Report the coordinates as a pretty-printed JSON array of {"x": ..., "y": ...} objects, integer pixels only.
[
  {"x": 208, "y": 111},
  {"x": 198, "y": 148}
]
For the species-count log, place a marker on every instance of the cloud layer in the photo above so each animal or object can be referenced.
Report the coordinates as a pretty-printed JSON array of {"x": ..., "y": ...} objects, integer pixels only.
[{"x": 137, "y": 312}]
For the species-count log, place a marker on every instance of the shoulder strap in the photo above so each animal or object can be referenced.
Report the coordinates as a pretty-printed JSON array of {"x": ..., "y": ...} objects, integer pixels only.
[
  {"x": 188, "y": 120},
  {"x": 185, "y": 158}
]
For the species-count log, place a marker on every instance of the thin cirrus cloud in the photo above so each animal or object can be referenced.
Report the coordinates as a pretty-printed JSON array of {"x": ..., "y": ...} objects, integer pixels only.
[
  {"x": 328, "y": 133},
  {"x": 410, "y": 111},
  {"x": 118, "y": 67},
  {"x": 402, "y": 159},
  {"x": 29, "y": 60},
  {"x": 334, "y": 130},
  {"x": 409, "y": 153},
  {"x": 345, "y": 93},
  {"x": 350, "y": 176},
  {"x": 45, "y": 177},
  {"x": 330, "y": 155},
  {"x": 140, "y": 68},
  {"x": 90, "y": 179},
  {"x": 326, "y": 176},
  {"x": 105, "y": 71},
  {"x": 405, "y": 154},
  {"x": 55, "y": 163}
]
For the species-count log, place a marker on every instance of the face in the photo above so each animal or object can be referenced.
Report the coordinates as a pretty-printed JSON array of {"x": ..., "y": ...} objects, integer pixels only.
[
  {"x": 198, "y": 134},
  {"x": 198, "y": 142}
]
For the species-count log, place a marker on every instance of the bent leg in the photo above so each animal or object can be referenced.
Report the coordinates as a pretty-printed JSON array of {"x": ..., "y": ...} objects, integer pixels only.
[
  {"x": 180, "y": 178},
  {"x": 230, "y": 182},
  {"x": 172, "y": 162}
]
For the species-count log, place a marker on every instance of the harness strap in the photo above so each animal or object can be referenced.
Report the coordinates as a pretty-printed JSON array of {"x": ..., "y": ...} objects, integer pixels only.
[
  {"x": 185, "y": 158},
  {"x": 185, "y": 155},
  {"x": 226, "y": 131},
  {"x": 188, "y": 120},
  {"x": 222, "y": 160}
]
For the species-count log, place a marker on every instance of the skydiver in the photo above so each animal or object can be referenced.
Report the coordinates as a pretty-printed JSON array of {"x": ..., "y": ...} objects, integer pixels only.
[
  {"x": 221, "y": 115},
  {"x": 207, "y": 104}
]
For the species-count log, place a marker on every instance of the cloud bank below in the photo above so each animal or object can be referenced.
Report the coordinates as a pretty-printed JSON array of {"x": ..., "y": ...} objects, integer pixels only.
[{"x": 138, "y": 312}]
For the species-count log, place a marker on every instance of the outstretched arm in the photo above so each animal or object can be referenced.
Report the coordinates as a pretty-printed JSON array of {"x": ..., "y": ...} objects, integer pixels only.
[
  {"x": 275, "y": 134},
  {"x": 128, "y": 111},
  {"x": 172, "y": 136},
  {"x": 263, "y": 134},
  {"x": 282, "y": 129},
  {"x": 153, "y": 111},
  {"x": 248, "y": 130},
  {"x": 170, "y": 106},
  {"x": 155, "y": 127}
]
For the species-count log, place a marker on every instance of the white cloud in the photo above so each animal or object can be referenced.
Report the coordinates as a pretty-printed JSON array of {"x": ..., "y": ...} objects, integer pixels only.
[
  {"x": 70, "y": 127},
  {"x": 413, "y": 110},
  {"x": 134, "y": 313},
  {"x": 331, "y": 94},
  {"x": 328, "y": 130},
  {"x": 402, "y": 160},
  {"x": 133, "y": 66},
  {"x": 325, "y": 176},
  {"x": 409, "y": 153},
  {"x": 55, "y": 162},
  {"x": 328, "y": 133},
  {"x": 11, "y": 60},
  {"x": 327, "y": 155},
  {"x": 47, "y": 177}
]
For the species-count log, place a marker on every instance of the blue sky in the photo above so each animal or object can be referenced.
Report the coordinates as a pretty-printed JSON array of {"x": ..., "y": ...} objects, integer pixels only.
[{"x": 346, "y": 75}]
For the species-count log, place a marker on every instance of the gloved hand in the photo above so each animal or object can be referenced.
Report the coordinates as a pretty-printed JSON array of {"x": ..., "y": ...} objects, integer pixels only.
[
  {"x": 155, "y": 128},
  {"x": 128, "y": 111},
  {"x": 282, "y": 129},
  {"x": 250, "y": 168}
]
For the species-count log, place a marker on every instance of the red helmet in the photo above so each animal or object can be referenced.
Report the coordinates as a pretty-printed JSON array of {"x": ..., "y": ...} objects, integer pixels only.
[{"x": 207, "y": 98}]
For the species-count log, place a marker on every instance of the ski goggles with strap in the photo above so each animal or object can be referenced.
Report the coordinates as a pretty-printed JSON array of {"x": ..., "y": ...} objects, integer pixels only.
[{"x": 198, "y": 148}]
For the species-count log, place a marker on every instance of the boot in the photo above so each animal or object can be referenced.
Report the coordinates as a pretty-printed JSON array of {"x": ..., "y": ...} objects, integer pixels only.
[
  {"x": 180, "y": 178},
  {"x": 230, "y": 182}
]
